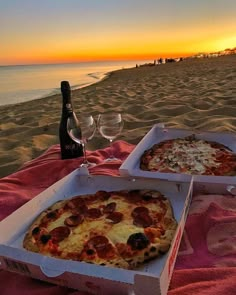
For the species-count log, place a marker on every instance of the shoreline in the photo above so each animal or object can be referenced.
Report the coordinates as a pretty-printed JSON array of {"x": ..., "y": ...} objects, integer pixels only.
[
  {"x": 73, "y": 88},
  {"x": 18, "y": 86},
  {"x": 56, "y": 91},
  {"x": 198, "y": 94}
]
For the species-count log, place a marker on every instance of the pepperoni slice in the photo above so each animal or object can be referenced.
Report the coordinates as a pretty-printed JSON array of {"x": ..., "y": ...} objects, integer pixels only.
[
  {"x": 50, "y": 216},
  {"x": 75, "y": 202},
  {"x": 134, "y": 196},
  {"x": 59, "y": 233},
  {"x": 74, "y": 220},
  {"x": 98, "y": 242},
  {"x": 105, "y": 252},
  {"x": 94, "y": 213},
  {"x": 111, "y": 207},
  {"x": 143, "y": 220},
  {"x": 103, "y": 248},
  {"x": 81, "y": 209},
  {"x": 102, "y": 195},
  {"x": 139, "y": 210},
  {"x": 115, "y": 217}
]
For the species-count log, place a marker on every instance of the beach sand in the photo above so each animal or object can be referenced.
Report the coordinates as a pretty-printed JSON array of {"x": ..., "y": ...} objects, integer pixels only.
[{"x": 194, "y": 94}]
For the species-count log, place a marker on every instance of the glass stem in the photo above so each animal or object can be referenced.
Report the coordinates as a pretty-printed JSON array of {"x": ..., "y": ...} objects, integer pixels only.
[
  {"x": 85, "y": 154},
  {"x": 111, "y": 149}
]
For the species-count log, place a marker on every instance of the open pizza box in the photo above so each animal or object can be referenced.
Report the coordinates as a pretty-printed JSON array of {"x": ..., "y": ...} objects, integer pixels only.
[
  {"x": 159, "y": 133},
  {"x": 151, "y": 278}
]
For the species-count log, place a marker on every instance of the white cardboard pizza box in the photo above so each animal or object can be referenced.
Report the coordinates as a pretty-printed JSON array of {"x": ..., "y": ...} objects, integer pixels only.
[
  {"x": 151, "y": 278},
  {"x": 160, "y": 133}
]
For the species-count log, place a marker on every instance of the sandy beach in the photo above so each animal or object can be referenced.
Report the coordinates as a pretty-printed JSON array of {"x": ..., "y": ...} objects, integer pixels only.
[{"x": 194, "y": 94}]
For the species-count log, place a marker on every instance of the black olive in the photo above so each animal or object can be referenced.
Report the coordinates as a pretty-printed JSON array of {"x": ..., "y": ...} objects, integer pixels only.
[
  {"x": 51, "y": 214},
  {"x": 35, "y": 231},
  {"x": 138, "y": 241},
  {"x": 90, "y": 251},
  {"x": 147, "y": 197},
  {"x": 153, "y": 249},
  {"x": 45, "y": 238}
]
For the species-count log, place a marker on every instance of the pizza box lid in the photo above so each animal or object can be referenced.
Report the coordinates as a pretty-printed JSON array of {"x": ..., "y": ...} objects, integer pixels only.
[
  {"x": 151, "y": 277},
  {"x": 160, "y": 133}
]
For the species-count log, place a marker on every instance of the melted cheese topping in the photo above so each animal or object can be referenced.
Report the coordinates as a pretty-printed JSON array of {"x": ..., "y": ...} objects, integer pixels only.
[
  {"x": 120, "y": 232},
  {"x": 115, "y": 232},
  {"x": 58, "y": 222},
  {"x": 185, "y": 156},
  {"x": 82, "y": 233}
]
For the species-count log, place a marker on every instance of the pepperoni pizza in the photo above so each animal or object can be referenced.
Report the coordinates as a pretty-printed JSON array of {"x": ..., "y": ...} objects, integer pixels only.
[
  {"x": 117, "y": 228},
  {"x": 190, "y": 155}
]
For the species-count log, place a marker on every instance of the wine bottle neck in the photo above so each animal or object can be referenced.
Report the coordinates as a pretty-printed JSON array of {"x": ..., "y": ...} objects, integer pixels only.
[
  {"x": 66, "y": 93},
  {"x": 66, "y": 100}
]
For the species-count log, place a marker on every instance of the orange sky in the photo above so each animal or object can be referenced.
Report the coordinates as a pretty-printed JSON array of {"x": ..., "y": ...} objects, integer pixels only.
[{"x": 45, "y": 32}]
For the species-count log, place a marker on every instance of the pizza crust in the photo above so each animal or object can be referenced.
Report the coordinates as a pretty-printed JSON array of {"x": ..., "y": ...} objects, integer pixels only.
[{"x": 29, "y": 242}]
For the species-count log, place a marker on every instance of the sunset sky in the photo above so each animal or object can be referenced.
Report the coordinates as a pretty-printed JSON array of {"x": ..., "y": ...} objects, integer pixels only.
[{"x": 55, "y": 31}]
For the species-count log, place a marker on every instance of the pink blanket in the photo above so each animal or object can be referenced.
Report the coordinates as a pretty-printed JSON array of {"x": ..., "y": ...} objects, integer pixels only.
[{"x": 206, "y": 263}]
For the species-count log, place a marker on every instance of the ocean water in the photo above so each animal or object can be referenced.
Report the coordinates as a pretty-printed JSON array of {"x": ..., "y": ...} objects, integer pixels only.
[{"x": 28, "y": 82}]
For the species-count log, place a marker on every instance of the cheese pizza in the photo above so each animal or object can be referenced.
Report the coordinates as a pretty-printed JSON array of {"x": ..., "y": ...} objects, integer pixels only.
[
  {"x": 117, "y": 228},
  {"x": 190, "y": 155}
]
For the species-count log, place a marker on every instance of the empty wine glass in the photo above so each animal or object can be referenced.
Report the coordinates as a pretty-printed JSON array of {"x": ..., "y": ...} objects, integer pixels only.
[
  {"x": 81, "y": 131},
  {"x": 110, "y": 126}
]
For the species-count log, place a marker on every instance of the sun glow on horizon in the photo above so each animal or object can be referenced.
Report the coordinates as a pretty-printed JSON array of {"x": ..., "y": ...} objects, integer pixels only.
[
  {"x": 149, "y": 50},
  {"x": 135, "y": 50},
  {"x": 108, "y": 30}
]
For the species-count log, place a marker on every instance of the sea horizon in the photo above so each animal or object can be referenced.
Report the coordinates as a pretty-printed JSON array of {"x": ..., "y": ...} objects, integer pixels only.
[{"x": 22, "y": 83}]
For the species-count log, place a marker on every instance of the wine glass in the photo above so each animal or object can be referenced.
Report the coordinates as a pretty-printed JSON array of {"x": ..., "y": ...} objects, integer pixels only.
[
  {"x": 81, "y": 131},
  {"x": 110, "y": 126}
]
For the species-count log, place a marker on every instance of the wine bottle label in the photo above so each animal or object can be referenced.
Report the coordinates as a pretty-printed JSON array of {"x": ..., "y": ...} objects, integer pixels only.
[{"x": 73, "y": 146}]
